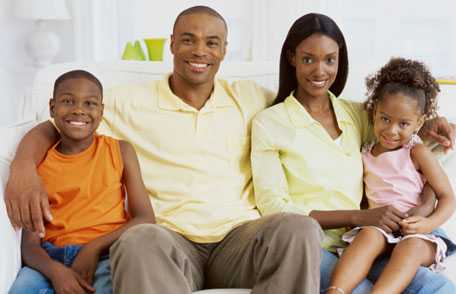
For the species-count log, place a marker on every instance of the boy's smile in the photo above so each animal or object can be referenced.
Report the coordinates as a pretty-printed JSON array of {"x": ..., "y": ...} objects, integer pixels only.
[{"x": 77, "y": 110}]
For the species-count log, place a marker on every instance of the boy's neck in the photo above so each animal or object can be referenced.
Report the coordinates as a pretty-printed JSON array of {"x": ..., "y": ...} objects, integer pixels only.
[{"x": 69, "y": 146}]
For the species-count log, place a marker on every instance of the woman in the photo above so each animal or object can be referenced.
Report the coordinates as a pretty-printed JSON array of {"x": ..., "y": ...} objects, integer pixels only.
[{"x": 306, "y": 149}]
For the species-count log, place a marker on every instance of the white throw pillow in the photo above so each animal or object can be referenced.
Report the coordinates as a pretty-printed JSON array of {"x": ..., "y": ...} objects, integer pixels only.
[{"x": 10, "y": 254}]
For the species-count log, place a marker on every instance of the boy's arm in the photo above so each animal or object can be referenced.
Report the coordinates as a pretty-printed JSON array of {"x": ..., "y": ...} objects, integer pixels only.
[
  {"x": 140, "y": 210},
  {"x": 139, "y": 206},
  {"x": 62, "y": 278},
  {"x": 25, "y": 196}
]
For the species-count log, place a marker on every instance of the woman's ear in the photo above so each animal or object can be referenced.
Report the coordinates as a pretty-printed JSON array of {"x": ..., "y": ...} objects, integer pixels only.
[{"x": 291, "y": 56}]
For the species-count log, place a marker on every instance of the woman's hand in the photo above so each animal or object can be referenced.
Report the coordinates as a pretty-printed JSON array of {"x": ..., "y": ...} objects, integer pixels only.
[
  {"x": 387, "y": 218},
  {"x": 440, "y": 130}
]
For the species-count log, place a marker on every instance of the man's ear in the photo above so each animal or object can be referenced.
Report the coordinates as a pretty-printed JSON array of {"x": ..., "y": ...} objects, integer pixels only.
[
  {"x": 51, "y": 107},
  {"x": 171, "y": 43},
  {"x": 291, "y": 56}
]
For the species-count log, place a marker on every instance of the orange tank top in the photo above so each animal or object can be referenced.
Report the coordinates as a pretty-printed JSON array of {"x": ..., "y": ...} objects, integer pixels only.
[{"x": 85, "y": 192}]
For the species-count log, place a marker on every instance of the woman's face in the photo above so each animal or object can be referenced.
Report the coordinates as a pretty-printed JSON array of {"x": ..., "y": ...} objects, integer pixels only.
[{"x": 316, "y": 60}]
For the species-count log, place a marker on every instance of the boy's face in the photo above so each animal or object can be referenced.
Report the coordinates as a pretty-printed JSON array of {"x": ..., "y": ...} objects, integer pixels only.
[{"x": 77, "y": 109}]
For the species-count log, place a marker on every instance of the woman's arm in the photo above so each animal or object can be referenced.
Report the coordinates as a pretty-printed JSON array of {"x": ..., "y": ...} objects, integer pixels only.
[
  {"x": 437, "y": 178},
  {"x": 25, "y": 196}
]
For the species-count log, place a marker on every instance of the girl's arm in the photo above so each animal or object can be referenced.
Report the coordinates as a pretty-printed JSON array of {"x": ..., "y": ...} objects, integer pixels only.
[
  {"x": 437, "y": 178},
  {"x": 272, "y": 194}
]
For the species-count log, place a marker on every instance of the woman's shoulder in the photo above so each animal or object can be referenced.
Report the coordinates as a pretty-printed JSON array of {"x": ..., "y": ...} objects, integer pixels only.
[{"x": 276, "y": 112}]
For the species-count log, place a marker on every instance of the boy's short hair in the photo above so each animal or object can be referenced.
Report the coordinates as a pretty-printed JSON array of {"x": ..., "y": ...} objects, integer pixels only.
[{"x": 75, "y": 74}]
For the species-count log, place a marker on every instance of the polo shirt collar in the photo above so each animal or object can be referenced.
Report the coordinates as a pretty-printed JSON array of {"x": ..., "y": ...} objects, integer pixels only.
[
  {"x": 167, "y": 100},
  {"x": 301, "y": 118}
]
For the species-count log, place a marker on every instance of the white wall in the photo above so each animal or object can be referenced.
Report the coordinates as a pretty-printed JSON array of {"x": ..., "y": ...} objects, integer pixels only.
[{"x": 374, "y": 30}]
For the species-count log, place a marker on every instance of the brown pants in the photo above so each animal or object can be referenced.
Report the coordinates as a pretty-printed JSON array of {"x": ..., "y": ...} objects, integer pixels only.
[{"x": 277, "y": 254}]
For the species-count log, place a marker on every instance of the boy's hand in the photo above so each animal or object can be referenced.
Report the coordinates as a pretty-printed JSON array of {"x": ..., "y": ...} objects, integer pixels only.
[
  {"x": 66, "y": 281},
  {"x": 85, "y": 263},
  {"x": 415, "y": 225}
]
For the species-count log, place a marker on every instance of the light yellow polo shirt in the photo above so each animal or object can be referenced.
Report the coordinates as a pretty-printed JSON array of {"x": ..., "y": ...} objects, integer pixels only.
[
  {"x": 297, "y": 167},
  {"x": 195, "y": 163}
]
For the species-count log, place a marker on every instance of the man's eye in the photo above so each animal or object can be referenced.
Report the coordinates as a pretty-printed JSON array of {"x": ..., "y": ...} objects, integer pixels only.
[
  {"x": 187, "y": 41},
  {"x": 212, "y": 44}
]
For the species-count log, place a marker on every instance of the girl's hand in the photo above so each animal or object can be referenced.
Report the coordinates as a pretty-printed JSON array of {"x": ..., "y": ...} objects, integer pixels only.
[
  {"x": 387, "y": 218},
  {"x": 85, "y": 263},
  {"x": 416, "y": 225},
  {"x": 66, "y": 281}
]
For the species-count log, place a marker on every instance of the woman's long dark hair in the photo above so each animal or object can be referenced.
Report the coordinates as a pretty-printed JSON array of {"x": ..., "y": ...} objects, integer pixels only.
[{"x": 301, "y": 29}]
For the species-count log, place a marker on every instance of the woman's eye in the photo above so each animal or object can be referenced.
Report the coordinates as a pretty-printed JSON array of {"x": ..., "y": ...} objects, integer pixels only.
[
  {"x": 307, "y": 60},
  {"x": 331, "y": 60},
  {"x": 212, "y": 44}
]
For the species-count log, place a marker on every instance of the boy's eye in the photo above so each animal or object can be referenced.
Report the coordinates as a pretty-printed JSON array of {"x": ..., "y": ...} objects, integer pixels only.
[{"x": 66, "y": 101}]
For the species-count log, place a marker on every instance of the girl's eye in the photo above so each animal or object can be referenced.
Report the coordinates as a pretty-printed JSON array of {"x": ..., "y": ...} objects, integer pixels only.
[
  {"x": 403, "y": 125},
  {"x": 384, "y": 119}
]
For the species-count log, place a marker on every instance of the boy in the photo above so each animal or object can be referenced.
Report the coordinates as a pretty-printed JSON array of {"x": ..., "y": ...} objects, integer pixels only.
[{"x": 85, "y": 175}]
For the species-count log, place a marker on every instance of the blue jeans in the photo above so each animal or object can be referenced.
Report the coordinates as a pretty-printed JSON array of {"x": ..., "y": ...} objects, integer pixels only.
[
  {"x": 424, "y": 282},
  {"x": 30, "y": 281}
]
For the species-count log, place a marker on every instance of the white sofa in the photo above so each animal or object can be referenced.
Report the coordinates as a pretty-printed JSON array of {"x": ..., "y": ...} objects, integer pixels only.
[{"x": 35, "y": 108}]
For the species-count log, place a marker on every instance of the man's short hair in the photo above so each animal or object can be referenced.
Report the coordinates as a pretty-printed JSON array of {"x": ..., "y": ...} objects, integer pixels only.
[{"x": 200, "y": 9}]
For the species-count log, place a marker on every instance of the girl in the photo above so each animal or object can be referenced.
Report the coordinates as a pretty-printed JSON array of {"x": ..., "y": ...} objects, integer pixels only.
[{"x": 402, "y": 95}]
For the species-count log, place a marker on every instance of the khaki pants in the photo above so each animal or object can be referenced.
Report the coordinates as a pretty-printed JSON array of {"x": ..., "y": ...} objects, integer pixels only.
[{"x": 277, "y": 254}]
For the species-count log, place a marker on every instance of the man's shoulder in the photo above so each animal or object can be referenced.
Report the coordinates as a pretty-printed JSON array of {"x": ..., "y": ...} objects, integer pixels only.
[
  {"x": 132, "y": 91},
  {"x": 249, "y": 94}
]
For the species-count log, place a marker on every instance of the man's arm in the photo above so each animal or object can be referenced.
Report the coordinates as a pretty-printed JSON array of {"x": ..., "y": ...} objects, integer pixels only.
[{"x": 25, "y": 196}]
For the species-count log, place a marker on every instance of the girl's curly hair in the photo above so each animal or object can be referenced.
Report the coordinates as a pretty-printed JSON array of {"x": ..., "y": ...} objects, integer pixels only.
[{"x": 406, "y": 76}]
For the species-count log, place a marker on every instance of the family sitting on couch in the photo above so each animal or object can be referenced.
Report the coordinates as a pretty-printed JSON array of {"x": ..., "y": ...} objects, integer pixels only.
[{"x": 192, "y": 134}]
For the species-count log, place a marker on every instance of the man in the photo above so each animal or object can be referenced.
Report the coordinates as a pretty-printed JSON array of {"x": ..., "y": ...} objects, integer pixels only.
[{"x": 191, "y": 133}]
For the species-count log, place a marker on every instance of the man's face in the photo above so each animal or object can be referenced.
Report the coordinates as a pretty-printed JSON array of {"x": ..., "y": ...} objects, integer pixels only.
[{"x": 198, "y": 44}]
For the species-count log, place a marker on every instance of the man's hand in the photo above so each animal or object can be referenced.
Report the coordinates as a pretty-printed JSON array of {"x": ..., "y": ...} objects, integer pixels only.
[
  {"x": 85, "y": 263},
  {"x": 440, "y": 130},
  {"x": 387, "y": 218},
  {"x": 416, "y": 225},
  {"x": 26, "y": 199},
  {"x": 67, "y": 281}
]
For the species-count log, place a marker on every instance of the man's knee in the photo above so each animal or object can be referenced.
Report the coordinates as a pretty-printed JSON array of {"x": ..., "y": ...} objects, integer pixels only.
[
  {"x": 143, "y": 238},
  {"x": 295, "y": 226}
]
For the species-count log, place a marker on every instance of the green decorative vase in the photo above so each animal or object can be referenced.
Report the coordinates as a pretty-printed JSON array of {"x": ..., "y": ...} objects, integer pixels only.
[
  {"x": 155, "y": 48},
  {"x": 133, "y": 52}
]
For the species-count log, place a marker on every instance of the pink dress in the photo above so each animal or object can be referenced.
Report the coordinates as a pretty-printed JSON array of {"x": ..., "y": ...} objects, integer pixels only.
[{"x": 392, "y": 179}]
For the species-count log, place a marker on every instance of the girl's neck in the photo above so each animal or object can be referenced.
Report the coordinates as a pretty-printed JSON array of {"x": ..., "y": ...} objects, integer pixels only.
[{"x": 69, "y": 146}]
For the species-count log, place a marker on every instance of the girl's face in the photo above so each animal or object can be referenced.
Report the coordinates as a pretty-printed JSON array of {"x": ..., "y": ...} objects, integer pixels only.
[
  {"x": 316, "y": 60},
  {"x": 396, "y": 118}
]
